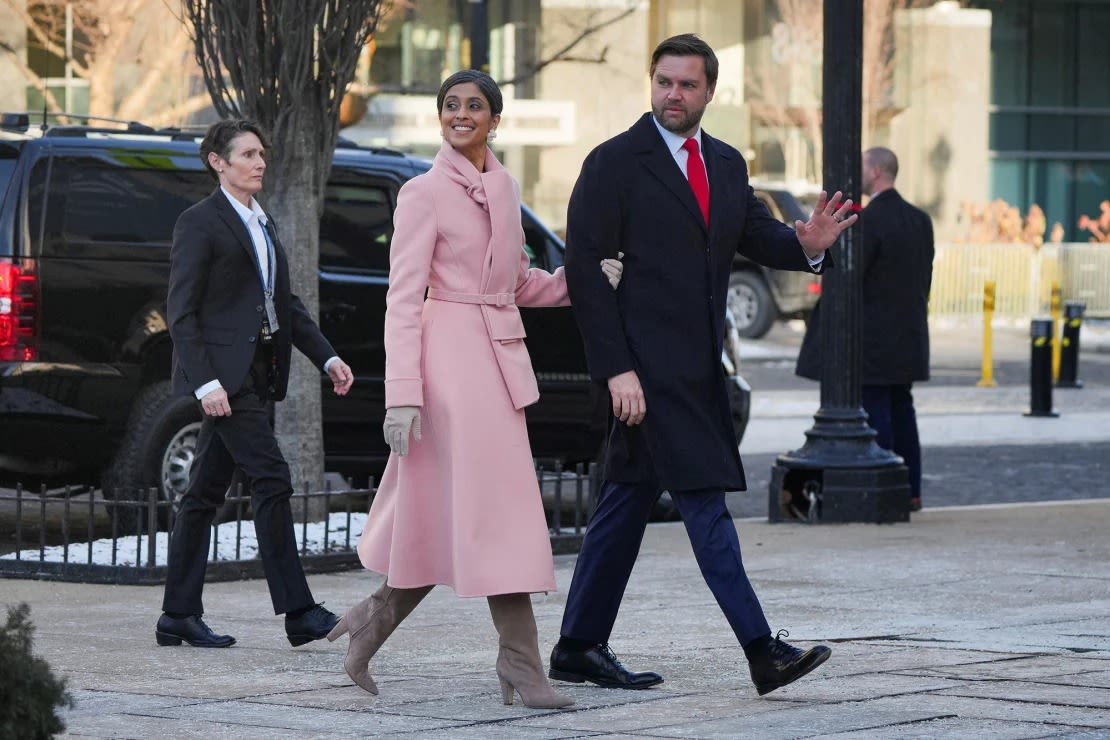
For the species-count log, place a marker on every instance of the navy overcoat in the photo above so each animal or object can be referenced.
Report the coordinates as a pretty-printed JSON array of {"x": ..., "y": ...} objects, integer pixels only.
[{"x": 666, "y": 321}]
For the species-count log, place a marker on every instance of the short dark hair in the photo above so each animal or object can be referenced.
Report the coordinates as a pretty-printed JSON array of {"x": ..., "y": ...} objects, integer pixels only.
[
  {"x": 884, "y": 159},
  {"x": 219, "y": 136},
  {"x": 687, "y": 45},
  {"x": 489, "y": 89}
]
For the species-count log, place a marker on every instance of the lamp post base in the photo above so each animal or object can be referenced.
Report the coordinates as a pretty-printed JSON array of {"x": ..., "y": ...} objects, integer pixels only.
[{"x": 837, "y": 494}]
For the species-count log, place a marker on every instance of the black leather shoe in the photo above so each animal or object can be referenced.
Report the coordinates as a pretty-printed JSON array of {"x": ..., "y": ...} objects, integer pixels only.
[
  {"x": 315, "y": 623},
  {"x": 190, "y": 629},
  {"x": 597, "y": 665},
  {"x": 784, "y": 664}
]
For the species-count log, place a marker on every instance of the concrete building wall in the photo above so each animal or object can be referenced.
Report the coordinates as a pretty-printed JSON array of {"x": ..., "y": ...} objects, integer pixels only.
[
  {"x": 13, "y": 85},
  {"x": 608, "y": 96},
  {"x": 943, "y": 85}
]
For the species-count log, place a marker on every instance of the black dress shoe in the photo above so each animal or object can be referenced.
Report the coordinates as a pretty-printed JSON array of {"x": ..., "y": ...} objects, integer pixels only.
[
  {"x": 598, "y": 665},
  {"x": 315, "y": 623},
  {"x": 784, "y": 664},
  {"x": 190, "y": 629}
]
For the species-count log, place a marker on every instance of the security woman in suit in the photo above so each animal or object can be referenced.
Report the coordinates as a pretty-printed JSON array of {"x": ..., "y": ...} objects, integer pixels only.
[{"x": 234, "y": 321}]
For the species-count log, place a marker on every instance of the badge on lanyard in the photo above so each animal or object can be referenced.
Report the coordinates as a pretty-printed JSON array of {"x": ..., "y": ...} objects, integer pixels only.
[{"x": 270, "y": 325}]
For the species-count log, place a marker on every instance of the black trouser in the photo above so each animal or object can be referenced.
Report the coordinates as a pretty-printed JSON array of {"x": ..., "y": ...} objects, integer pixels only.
[
  {"x": 891, "y": 414},
  {"x": 245, "y": 440}
]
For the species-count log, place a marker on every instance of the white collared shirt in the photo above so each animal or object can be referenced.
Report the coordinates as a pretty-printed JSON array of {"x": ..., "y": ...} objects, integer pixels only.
[
  {"x": 675, "y": 145},
  {"x": 254, "y": 218}
]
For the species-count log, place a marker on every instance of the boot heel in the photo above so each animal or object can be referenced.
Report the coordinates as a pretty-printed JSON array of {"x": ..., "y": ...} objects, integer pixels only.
[
  {"x": 166, "y": 640},
  {"x": 338, "y": 630},
  {"x": 506, "y": 692}
]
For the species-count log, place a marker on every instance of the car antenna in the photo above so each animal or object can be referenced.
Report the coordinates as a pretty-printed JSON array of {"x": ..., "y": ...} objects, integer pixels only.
[{"x": 44, "y": 93}]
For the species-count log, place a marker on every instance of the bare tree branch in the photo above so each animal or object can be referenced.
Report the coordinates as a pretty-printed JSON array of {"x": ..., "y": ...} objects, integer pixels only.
[
  {"x": 169, "y": 56},
  {"x": 32, "y": 78},
  {"x": 44, "y": 40},
  {"x": 174, "y": 115},
  {"x": 563, "y": 53}
]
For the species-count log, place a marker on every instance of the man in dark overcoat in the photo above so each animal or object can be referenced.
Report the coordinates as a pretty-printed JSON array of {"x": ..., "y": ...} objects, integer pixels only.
[
  {"x": 677, "y": 203},
  {"x": 897, "y": 266}
]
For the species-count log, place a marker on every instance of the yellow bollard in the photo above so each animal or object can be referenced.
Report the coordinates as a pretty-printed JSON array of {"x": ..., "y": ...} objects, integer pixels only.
[
  {"x": 1057, "y": 314},
  {"x": 987, "y": 378}
]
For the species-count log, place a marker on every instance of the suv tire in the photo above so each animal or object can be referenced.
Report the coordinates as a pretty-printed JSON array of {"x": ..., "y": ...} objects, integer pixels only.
[
  {"x": 157, "y": 450},
  {"x": 751, "y": 305}
]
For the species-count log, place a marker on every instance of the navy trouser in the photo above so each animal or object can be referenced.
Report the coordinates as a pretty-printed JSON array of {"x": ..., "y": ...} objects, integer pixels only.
[
  {"x": 612, "y": 542},
  {"x": 890, "y": 413}
]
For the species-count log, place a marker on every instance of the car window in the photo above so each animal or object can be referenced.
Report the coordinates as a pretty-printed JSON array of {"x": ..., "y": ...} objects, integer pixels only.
[
  {"x": 9, "y": 152},
  {"x": 101, "y": 203},
  {"x": 357, "y": 225},
  {"x": 542, "y": 247},
  {"x": 768, "y": 201},
  {"x": 534, "y": 246}
]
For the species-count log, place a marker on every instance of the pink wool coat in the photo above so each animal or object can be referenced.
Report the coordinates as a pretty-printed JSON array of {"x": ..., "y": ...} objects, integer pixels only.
[{"x": 463, "y": 508}]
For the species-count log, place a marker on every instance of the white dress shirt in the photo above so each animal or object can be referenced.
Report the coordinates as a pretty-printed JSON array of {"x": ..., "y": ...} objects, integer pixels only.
[{"x": 675, "y": 144}]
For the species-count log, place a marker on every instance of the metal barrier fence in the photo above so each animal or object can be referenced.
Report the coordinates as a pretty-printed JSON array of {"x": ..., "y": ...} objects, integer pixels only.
[
  {"x": 76, "y": 535},
  {"x": 1023, "y": 277}
]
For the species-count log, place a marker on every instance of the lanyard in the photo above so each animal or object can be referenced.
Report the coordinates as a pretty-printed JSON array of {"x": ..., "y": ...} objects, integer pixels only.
[{"x": 268, "y": 279}]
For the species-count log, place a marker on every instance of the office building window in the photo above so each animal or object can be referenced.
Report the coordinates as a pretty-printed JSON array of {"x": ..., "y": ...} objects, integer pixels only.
[{"x": 1050, "y": 112}]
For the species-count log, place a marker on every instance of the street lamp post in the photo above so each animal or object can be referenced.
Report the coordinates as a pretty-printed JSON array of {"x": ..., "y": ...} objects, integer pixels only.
[
  {"x": 479, "y": 35},
  {"x": 840, "y": 474}
]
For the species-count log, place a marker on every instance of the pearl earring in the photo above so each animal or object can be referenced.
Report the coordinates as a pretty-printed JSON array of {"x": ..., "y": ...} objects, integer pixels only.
[{"x": 492, "y": 134}]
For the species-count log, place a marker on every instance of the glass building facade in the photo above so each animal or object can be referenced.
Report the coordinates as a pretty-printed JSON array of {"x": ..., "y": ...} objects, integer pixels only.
[{"x": 1050, "y": 106}]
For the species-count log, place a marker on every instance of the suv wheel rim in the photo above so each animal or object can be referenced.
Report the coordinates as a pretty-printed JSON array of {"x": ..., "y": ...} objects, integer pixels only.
[
  {"x": 178, "y": 461},
  {"x": 743, "y": 306}
]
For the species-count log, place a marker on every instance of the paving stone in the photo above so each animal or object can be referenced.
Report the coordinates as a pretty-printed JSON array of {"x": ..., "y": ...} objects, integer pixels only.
[
  {"x": 253, "y": 715},
  {"x": 1038, "y": 693},
  {"x": 955, "y": 729},
  {"x": 655, "y": 714},
  {"x": 1001, "y": 709}
]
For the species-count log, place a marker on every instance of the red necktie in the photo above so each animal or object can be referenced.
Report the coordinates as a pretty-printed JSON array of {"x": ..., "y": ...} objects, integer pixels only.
[{"x": 695, "y": 173}]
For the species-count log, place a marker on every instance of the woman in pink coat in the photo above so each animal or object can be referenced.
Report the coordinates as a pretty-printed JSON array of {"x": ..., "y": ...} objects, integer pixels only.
[{"x": 459, "y": 505}]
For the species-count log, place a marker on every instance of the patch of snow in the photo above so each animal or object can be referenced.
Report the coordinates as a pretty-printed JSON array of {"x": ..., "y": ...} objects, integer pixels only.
[{"x": 132, "y": 550}]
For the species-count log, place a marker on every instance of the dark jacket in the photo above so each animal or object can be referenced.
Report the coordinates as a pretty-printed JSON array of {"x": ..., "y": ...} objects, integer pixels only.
[
  {"x": 897, "y": 257},
  {"x": 215, "y": 302},
  {"x": 666, "y": 321}
]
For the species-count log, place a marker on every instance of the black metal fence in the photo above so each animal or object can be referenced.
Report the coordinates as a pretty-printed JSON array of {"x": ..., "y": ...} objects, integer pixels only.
[{"x": 78, "y": 534}]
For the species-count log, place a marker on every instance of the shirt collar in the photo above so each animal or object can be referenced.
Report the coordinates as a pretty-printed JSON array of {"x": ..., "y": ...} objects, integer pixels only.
[
  {"x": 255, "y": 211},
  {"x": 673, "y": 141}
]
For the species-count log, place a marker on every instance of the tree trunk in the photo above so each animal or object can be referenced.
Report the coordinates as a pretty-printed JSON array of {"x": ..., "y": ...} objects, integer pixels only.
[{"x": 293, "y": 191}]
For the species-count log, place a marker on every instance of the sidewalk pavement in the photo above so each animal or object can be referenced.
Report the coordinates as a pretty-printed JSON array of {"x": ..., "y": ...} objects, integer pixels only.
[
  {"x": 946, "y": 416},
  {"x": 988, "y": 621}
]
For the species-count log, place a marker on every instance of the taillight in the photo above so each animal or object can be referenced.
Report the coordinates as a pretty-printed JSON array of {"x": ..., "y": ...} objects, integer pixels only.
[{"x": 19, "y": 312}]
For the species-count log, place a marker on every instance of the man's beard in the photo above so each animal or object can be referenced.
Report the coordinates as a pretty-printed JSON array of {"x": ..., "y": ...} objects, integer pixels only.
[{"x": 688, "y": 122}]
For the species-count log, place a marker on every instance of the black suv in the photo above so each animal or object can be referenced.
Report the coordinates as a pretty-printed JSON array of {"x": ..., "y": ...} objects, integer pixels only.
[
  {"x": 86, "y": 218},
  {"x": 758, "y": 295}
]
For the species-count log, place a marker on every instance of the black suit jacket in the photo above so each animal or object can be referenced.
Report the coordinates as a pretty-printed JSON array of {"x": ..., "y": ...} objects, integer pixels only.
[
  {"x": 215, "y": 303},
  {"x": 897, "y": 255},
  {"x": 666, "y": 321}
]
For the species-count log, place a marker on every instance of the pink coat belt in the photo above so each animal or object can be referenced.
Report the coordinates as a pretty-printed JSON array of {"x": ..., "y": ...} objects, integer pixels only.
[{"x": 485, "y": 299}]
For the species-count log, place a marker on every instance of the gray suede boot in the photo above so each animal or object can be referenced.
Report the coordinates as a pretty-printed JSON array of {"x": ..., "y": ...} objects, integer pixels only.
[
  {"x": 518, "y": 661},
  {"x": 371, "y": 622}
]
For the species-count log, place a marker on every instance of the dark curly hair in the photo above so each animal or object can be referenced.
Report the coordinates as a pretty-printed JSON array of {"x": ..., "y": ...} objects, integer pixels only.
[{"x": 219, "y": 136}]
